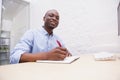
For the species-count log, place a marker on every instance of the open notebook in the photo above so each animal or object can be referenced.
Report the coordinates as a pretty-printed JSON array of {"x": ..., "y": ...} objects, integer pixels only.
[{"x": 67, "y": 60}]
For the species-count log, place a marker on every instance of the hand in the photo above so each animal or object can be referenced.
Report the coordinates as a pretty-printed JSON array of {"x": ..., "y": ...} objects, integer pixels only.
[{"x": 59, "y": 53}]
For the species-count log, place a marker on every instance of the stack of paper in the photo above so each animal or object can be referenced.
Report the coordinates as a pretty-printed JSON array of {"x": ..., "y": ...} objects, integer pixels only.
[
  {"x": 66, "y": 60},
  {"x": 104, "y": 56}
]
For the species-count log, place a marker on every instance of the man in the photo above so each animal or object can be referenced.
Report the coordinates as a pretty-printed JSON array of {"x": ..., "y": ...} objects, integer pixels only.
[{"x": 40, "y": 44}]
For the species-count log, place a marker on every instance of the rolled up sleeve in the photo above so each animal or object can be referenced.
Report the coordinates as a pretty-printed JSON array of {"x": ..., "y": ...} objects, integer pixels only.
[
  {"x": 23, "y": 46},
  {"x": 15, "y": 57}
]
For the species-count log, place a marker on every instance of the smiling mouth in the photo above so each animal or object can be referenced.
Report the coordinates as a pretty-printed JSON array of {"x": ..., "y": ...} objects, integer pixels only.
[{"x": 52, "y": 23}]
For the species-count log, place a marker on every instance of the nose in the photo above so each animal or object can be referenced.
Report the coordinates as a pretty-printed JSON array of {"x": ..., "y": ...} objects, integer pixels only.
[{"x": 54, "y": 18}]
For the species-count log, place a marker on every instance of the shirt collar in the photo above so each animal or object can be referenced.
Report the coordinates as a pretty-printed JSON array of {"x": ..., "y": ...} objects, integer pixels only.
[{"x": 45, "y": 32}]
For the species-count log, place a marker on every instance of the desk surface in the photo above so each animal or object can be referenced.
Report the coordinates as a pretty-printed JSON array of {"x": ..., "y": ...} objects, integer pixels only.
[{"x": 85, "y": 68}]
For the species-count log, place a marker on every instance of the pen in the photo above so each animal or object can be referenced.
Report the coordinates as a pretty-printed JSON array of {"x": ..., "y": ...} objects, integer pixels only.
[{"x": 59, "y": 43}]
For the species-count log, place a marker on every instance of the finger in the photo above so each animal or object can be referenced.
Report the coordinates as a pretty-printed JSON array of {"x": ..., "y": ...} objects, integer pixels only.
[
  {"x": 61, "y": 48},
  {"x": 69, "y": 54},
  {"x": 61, "y": 57},
  {"x": 63, "y": 52}
]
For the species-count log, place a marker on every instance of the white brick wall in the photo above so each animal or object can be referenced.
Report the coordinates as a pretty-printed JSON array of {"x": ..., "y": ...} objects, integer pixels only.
[{"x": 86, "y": 26}]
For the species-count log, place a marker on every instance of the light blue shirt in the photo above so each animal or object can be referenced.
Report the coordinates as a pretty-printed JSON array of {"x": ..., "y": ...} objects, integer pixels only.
[{"x": 34, "y": 41}]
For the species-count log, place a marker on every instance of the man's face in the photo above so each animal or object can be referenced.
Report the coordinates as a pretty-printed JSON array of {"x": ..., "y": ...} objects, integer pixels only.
[{"x": 51, "y": 19}]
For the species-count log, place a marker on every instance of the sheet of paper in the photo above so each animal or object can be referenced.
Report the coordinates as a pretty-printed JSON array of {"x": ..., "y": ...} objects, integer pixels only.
[
  {"x": 67, "y": 60},
  {"x": 103, "y": 56}
]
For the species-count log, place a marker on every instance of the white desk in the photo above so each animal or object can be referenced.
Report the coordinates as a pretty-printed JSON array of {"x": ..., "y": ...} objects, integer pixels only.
[{"x": 86, "y": 68}]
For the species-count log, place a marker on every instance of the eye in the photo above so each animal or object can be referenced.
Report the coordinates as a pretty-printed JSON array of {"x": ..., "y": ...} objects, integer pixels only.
[
  {"x": 57, "y": 17},
  {"x": 51, "y": 15}
]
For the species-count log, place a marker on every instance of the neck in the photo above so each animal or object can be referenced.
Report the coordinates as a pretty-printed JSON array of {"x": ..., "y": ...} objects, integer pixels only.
[{"x": 50, "y": 31}]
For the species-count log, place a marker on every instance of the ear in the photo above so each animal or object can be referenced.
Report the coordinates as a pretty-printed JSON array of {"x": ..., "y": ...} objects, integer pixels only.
[{"x": 44, "y": 18}]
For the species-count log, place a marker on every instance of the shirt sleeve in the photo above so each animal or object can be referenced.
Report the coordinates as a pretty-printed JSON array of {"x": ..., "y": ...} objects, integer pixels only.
[{"x": 25, "y": 45}]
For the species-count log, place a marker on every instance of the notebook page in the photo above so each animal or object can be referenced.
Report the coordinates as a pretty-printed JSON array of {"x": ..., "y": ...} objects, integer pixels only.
[{"x": 66, "y": 60}]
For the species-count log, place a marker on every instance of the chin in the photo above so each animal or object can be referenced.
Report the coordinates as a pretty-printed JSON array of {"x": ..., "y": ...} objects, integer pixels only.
[{"x": 52, "y": 27}]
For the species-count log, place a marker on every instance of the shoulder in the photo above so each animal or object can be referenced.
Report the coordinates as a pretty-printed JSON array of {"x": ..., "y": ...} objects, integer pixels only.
[
  {"x": 32, "y": 31},
  {"x": 29, "y": 33}
]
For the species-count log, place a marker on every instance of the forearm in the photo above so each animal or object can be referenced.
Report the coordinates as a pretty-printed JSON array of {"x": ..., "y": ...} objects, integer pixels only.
[
  {"x": 58, "y": 53},
  {"x": 28, "y": 57}
]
